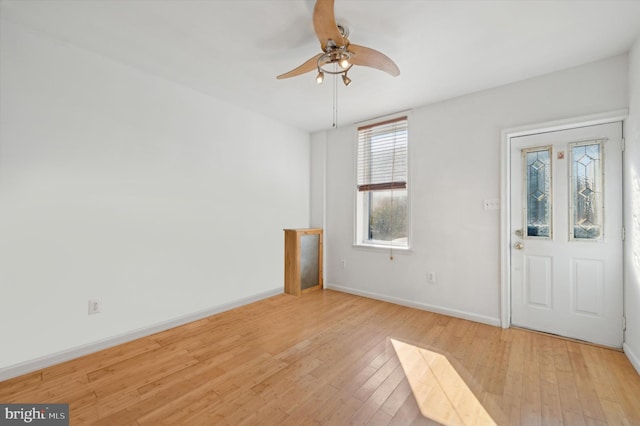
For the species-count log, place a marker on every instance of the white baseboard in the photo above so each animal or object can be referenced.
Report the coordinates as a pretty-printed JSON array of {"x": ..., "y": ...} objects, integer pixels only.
[
  {"x": 78, "y": 351},
  {"x": 423, "y": 306},
  {"x": 633, "y": 357}
]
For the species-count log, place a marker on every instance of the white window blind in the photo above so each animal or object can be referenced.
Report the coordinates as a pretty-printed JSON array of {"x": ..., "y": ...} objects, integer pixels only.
[{"x": 382, "y": 155}]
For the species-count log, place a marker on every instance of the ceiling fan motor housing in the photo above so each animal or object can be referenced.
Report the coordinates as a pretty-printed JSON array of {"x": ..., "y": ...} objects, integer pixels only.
[{"x": 344, "y": 31}]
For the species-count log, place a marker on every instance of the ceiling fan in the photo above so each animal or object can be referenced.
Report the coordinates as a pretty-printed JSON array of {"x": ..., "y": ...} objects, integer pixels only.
[{"x": 337, "y": 51}]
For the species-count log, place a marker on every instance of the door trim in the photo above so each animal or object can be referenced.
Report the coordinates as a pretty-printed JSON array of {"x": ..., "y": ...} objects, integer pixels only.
[{"x": 505, "y": 189}]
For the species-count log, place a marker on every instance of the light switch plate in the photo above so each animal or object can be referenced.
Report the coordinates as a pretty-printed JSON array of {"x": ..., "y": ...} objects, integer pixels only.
[{"x": 491, "y": 204}]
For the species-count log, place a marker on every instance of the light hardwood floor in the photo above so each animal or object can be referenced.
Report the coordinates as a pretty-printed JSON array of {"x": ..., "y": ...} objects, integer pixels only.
[{"x": 334, "y": 358}]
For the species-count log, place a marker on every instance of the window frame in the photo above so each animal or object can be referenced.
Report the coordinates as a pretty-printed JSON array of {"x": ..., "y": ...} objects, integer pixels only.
[{"x": 362, "y": 198}]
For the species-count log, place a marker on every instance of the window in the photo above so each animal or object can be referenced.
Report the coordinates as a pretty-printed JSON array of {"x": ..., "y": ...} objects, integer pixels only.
[{"x": 382, "y": 204}]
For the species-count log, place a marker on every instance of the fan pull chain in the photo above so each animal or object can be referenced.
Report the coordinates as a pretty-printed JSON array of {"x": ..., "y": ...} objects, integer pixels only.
[{"x": 335, "y": 98}]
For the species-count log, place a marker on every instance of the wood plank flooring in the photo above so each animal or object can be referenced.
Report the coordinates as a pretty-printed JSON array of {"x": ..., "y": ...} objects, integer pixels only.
[{"x": 333, "y": 358}]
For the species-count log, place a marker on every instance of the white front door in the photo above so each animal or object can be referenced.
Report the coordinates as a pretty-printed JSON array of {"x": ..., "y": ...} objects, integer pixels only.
[{"x": 566, "y": 233}]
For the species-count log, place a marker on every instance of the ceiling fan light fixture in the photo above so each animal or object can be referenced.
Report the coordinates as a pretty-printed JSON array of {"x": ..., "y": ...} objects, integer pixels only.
[
  {"x": 320, "y": 77},
  {"x": 335, "y": 61}
]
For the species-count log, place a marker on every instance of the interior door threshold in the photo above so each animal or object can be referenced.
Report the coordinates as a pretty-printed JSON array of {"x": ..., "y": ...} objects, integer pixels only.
[{"x": 557, "y": 336}]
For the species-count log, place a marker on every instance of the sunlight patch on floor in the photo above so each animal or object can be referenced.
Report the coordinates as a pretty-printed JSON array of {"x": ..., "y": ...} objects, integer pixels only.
[{"x": 440, "y": 392}]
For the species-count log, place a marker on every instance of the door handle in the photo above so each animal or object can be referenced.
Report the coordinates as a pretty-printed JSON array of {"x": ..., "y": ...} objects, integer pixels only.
[{"x": 518, "y": 246}]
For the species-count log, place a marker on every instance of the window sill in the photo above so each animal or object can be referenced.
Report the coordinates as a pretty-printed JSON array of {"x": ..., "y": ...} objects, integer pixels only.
[{"x": 383, "y": 249}]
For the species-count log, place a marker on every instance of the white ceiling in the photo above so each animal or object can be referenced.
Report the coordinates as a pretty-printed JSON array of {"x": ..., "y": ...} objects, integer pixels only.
[{"x": 233, "y": 49}]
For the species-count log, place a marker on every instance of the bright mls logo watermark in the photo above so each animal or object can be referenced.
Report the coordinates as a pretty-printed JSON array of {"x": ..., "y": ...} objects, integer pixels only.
[{"x": 34, "y": 414}]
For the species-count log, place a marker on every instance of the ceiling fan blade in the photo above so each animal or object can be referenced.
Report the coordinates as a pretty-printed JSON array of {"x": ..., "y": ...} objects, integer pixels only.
[
  {"x": 324, "y": 23},
  {"x": 310, "y": 65},
  {"x": 372, "y": 58}
]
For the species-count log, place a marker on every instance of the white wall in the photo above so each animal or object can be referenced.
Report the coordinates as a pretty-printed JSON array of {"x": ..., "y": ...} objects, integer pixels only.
[
  {"x": 119, "y": 185},
  {"x": 632, "y": 211},
  {"x": 318, "y": 171},
  {"x": 455, "y": 152}
]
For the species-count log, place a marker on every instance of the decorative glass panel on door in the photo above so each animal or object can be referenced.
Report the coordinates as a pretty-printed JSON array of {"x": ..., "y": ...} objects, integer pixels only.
[
  {"x": 537, "y": 187},
  {"x": 586, "y": 207}
]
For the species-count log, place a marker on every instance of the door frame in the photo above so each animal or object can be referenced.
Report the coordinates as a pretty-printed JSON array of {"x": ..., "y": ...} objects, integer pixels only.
[{"x": 505, "y": 190}]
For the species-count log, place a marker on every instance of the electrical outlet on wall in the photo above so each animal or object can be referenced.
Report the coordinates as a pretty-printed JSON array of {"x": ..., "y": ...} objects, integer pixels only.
[
  {"x": 95, "y": 306},
  {"x": 431, "y": 277}
]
